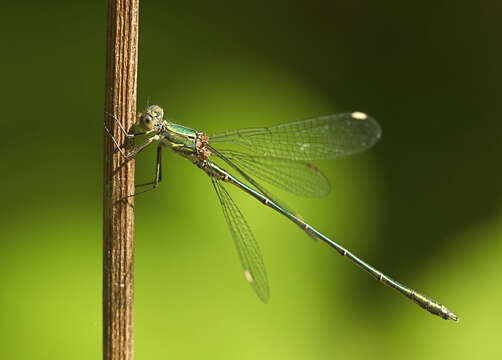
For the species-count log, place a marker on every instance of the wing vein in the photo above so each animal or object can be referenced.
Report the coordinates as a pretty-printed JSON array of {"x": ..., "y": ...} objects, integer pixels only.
[{"x": 245, "y": 243}]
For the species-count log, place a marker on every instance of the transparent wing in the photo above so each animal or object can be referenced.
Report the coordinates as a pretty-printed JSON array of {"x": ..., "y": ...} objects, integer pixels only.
[
  {"x": 313, "y": 139},
  {"x": 247, "y": 247},
  {"x": 297, "y": 177}
]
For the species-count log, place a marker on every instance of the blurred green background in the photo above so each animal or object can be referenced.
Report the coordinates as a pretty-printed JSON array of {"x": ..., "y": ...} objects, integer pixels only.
[{"x": 424, "y": 205}]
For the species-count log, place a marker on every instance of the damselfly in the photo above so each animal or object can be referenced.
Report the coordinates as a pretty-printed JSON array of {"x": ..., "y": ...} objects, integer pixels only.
[{"x": 279, "y": 155}]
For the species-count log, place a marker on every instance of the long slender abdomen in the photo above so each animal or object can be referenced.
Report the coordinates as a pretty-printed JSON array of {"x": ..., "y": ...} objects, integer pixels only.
[{"x": 431, "y": 305}]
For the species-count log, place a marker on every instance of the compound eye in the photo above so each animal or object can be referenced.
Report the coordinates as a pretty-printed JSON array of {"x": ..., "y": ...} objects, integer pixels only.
[
  {"x": 157, "y": 110},
  {"x": 146, "y": 121}
]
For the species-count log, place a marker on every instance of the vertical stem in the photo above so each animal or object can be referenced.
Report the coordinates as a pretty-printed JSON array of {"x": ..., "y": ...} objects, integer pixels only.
[{"x": 118, "y": 181}]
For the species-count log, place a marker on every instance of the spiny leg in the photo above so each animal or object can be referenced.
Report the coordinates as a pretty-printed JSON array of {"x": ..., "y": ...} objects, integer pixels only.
[
  {"x": 138, "y": 149},
  {"x": 158, "y": 170},
  {"x": 158, "y": 174},
  {"x": 128, "y": 136}
]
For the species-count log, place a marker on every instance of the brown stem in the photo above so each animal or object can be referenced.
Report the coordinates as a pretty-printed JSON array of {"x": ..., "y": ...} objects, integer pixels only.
[{"x": 118, "y": 181}]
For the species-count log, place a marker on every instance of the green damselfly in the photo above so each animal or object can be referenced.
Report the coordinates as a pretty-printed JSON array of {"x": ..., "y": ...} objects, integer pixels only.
[{"x": 278, "y": 155}]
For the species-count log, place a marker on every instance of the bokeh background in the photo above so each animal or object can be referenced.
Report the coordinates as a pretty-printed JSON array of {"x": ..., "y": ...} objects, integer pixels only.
[{"x": 424, "y": 205}]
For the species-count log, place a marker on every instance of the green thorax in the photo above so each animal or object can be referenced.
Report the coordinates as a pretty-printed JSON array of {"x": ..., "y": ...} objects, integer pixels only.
[{"x": 179, "y": 138}]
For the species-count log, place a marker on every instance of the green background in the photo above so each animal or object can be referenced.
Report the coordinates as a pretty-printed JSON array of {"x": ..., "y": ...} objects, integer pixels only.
[{"x": 424, "y": 205}]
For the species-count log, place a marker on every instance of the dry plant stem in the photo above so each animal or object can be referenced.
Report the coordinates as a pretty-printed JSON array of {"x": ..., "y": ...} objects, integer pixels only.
[{"x": 118, "y": 181}]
